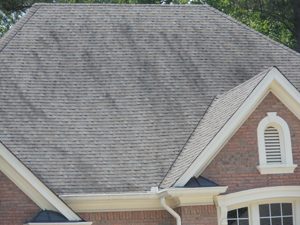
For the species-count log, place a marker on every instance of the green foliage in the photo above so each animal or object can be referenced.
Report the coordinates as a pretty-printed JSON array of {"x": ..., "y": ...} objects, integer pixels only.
[
  {"x": 7, "y": 20},
  {"x": 274, "y": 18}
]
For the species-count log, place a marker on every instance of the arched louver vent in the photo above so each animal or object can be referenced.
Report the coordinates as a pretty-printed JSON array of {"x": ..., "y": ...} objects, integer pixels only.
[{"x": 272, "y": 145}]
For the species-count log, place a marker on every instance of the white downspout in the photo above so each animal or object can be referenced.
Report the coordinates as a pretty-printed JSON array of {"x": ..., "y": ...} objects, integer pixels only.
[{"x": 170, "y": 210}]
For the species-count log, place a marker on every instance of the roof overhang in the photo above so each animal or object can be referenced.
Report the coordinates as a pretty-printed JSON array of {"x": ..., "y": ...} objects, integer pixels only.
[
  {"x": 175, "y": 197},
  {"x": 38, "y": 192},
  {"x": 274, "y": 82}
]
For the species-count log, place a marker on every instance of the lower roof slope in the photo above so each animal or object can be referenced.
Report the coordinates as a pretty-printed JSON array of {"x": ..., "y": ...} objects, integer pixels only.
[{"x": 102, "y": 98}]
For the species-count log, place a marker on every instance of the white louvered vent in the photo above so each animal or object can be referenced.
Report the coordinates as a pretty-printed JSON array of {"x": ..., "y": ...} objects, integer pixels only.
[{"x": 272, "y": 145}]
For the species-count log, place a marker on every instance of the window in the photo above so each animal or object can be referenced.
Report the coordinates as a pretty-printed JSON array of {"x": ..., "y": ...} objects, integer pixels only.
[
  {"x": 276, "y": 214},
  {"x": 269, "y": 214},
  {"x": 279, "y": 205},
  {"x": 238, "y": 216},
  {"x": 274, "y": 145}
]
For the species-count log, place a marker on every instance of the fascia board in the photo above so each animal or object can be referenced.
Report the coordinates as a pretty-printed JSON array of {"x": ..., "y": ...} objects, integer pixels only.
[
  {"x": 275, "y": 82},
  {"x": 33, "y": 187},
  {"x": 141, "y": 200}
]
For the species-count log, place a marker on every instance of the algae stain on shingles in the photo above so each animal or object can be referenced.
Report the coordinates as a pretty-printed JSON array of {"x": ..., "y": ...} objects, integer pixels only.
[{"x": 35, "y": 111}]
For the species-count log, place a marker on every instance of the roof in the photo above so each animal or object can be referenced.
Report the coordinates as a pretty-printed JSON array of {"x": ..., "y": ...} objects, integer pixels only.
[
  {"x": 103, "y": 98},
  {"x": 216, "y": 116}
]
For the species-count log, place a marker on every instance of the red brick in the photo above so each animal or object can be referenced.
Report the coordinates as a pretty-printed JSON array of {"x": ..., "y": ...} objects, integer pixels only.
[
  {"x": 235, "y": 165},
  {"x": 15, "y": 207}
]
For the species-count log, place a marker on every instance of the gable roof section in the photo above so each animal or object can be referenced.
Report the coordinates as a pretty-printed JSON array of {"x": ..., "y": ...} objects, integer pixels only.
[
  {"x": 217, "y": 115},
  {"x": 224, "y": 118},
  {"x": 102, "y": 98}
]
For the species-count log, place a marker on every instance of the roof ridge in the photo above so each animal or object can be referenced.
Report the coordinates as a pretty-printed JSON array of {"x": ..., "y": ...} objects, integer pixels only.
[
  {"x": 118, "y": 5},
  {"x": 4, "y": 41},
  {"x": 251, "y": 29},
  {"x": 264, "y": 72}
]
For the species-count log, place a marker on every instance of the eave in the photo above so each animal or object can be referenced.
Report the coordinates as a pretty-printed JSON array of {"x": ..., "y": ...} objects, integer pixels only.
[{"x": 138, "y": 201}]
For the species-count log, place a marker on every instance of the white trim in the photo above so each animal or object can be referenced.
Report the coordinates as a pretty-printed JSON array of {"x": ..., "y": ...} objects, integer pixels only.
[
  {"x": 175, "y": 197},
  {"x": 287, "y": 166},
  {"x": 273, "y": 82},
  {"x": 254, "y": 197},
  {"x": 277, "y": 169},
  {"x": 237, "y": 199},
  {"x": 32, "y": 186}
]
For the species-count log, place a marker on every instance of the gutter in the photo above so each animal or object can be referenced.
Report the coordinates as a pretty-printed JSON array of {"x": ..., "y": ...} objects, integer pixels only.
[{"x": 140, "y": 201}]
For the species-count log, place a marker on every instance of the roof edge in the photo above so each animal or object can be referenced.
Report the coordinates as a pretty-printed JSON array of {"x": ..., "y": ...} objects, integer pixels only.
[
  {"x": 11, "y": 33},
  {"x": 187, "y": 140},
  {"x": 137, "y": 201},
  {"x": 35, "y": 189}
]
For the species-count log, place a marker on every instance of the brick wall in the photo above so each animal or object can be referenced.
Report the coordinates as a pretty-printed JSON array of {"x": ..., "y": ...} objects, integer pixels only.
[
  {"x": 190, "y": 215},
  {"x": 199, "y": 215},
  {"x": 159, "y": 217},
  {"x": 235, "y": 165},
  {"x": 15, "y": 207}
]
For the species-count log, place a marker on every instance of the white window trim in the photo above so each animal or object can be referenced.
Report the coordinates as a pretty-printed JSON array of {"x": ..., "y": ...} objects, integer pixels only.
[
  {"x": 254, "y": 197},
  {"x": 287, "y": 166}
]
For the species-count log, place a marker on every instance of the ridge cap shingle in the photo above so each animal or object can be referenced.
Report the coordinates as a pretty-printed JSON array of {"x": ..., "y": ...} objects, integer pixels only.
[{"x": 119, "y": 5}]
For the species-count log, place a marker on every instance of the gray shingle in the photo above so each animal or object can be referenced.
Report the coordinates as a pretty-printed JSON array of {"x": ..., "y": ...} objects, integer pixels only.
[
  {"x": 102, "y": 98},
  {"x": 219, "y": 112}
]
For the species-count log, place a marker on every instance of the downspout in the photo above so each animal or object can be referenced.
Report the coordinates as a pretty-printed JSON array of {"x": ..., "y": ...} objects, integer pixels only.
[{"x": 170, "y": 210}]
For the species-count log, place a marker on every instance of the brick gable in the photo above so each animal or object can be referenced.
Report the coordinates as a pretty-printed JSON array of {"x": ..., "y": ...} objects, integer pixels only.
[
  {"x": 235, "y": 165},
  {"x": 15, "y": 207}
]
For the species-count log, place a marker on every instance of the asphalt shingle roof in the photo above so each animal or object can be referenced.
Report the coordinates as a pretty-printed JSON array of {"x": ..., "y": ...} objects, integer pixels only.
[
  {"x": 218, "y": 113},
  {"x": 102, "y": 98}
]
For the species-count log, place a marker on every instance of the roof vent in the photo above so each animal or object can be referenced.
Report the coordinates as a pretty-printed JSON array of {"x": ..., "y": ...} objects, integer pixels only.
[{"x": 272, "y": 145}]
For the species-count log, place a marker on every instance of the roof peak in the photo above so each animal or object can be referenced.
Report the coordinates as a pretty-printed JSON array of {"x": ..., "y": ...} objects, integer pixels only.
[{"x": 120, "y": 5}]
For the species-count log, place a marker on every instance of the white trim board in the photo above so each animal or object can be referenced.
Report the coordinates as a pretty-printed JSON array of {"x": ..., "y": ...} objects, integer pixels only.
[
  {"x": 39, "y": 193},
  {"x": 274, "y": 82},
  {"x": 258, "y": 195},
  {"x": 140, "y": 201}
]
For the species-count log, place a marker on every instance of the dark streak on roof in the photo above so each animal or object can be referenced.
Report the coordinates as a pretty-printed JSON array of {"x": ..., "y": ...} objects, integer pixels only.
[{"x": 102, "y": 98}]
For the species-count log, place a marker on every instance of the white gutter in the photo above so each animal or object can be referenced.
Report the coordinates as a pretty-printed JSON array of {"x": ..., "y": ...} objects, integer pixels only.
[
  {"x": 170, "y": 210},
  {"x": 139, "y": 201}
]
